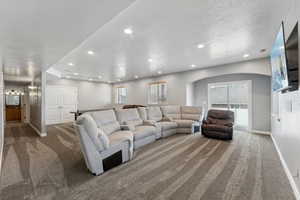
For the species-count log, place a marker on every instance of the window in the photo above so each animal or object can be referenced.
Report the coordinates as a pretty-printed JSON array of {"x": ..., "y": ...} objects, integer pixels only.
[
  {"x": 121, "y": 96},
  {"x": 234, "y": 96},
  {"x": 12, "y": 100},
  {"x": 157, "y": 93}
]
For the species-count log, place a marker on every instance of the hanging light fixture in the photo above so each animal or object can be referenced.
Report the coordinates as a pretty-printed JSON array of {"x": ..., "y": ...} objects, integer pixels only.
[{"x": 14, "y": 92}]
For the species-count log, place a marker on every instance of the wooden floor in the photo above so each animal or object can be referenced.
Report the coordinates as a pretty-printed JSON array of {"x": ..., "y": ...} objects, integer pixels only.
[{"x": 179, "y": 167}]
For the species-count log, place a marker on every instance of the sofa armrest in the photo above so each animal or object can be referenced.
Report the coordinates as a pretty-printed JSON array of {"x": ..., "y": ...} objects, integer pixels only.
[
  {"x": 167, "y": 119},
  {"x": 127, "y": 127},
  {"x": 149, "y": 122}
]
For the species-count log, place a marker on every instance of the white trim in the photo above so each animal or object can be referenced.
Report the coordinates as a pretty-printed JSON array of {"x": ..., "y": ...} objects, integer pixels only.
[
  {"x": 261, "y": 132},
  {"x": 37, "y": 130},
  {"x": 287, "y": 171}
]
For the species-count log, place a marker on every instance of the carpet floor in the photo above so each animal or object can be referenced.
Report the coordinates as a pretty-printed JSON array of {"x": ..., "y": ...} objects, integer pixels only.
[{"x": 180, "y": 167}]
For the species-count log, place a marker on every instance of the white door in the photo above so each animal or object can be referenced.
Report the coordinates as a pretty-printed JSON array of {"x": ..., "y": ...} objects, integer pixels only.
[{"x": 60, "y": 101}]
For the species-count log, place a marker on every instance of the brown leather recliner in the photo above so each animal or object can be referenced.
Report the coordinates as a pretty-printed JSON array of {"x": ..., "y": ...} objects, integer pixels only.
[{"x": 218, "y": 124}]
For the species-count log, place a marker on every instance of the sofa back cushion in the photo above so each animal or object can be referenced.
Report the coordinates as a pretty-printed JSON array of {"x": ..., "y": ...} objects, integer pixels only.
[
  {"x": 171, "y": 111},
  {"x": 143, "y": 112},
  {"x": 221, "y": 117},
  {"x": 106, "y": 120},
  {"x": 98, "y": 138},
  {"x": 191, "y": 112},
  {"x": 154, "y": 113},
  {"x": 129, "y": 117}
]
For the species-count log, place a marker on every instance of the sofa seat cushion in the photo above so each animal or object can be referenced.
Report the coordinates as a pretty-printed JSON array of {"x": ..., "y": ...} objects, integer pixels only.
[
  {"x": 167, "y": 125},
  {"x": 143, "y": 132},
  {"x": 120, "y": 136},
  {"x": 184, "y": 123}
]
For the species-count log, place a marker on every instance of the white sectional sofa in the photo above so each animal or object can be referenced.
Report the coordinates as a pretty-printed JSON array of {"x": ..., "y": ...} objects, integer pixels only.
[
  {"x": 142, "y": 133},
  {"x": 183, "y": 116},
  {"x": 104, "y": 133}
]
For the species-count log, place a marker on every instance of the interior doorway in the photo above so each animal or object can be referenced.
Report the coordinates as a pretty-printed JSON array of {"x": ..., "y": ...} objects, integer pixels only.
[
  {"x": 235, "y": 96},
  {"x": 13, "y": 107}
]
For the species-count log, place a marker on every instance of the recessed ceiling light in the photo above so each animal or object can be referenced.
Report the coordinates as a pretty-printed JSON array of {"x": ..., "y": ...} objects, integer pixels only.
[
  {"x": 136, "y": 76},
  {"x": 128, "y": 31},
  {"x": 91, "y": 52},
  {"x": 71, "y": 64},
  {"x": 246, "y": 55},
  {"x": 159, "y": 72},
  {"x": 99, "y": 76},
  {"x": 150, "y": 60},
  {"x": 68, "y": 76},
  {"x": 90, "y": 79},
  {"x": 193, "y": 65},
  {"x": 200, "y": 46},
  {"x": 119, "y": 80},
  {"x": 76, "y": 74}
]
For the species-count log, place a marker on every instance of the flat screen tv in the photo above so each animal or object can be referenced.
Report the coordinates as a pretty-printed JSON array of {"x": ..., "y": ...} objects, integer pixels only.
[
  {"x": 292, "y": 55},
  {"x": 279, "y": 63}
]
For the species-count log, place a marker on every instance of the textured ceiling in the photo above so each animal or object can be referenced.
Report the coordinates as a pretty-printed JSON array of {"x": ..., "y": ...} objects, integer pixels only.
[
  {"x": 35, "y": 34},
  {"x": 167, "y": 32}
]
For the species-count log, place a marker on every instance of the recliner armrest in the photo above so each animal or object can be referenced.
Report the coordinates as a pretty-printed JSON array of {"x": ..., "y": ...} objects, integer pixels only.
[
  {"x": 229, "y": 124},
  {"x": 205, "y": 122}
]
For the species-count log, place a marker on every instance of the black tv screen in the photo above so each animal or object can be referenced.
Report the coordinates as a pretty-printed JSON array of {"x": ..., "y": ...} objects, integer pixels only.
[
  {"x": 279, "y": 62},
  {"x": 292, "y": 54}
]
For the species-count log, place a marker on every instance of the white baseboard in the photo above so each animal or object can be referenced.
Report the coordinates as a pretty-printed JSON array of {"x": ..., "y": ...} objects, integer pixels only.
[
  {"x": 36, "y": 130},
  {"x": 261, "y": 132},
  {"x": 287, "y": 171}
]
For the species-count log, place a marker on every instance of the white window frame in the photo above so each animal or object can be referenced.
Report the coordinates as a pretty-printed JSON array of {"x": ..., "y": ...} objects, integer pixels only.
[
  {"x": 119, "y": 99},
  {"x": 159, "y": 92}
]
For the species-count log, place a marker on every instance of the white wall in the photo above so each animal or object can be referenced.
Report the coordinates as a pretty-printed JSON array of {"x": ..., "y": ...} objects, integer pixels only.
[
  {"x": 286, "y": 114},
  {"x": 91, "y": 95},
  {"x": 37, "y": 104},
  {"x": 178, "y": 84},
  {"x": 261, "y": 98},
  {"x": 1, "y": 115}
]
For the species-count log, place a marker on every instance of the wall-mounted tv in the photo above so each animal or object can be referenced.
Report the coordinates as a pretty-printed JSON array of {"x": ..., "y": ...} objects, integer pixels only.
[
  {"x": 279, "y": 63},
  {"x": 292, "y": 55}
]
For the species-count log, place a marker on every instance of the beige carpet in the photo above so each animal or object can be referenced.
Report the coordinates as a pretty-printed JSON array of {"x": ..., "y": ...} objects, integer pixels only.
[{"x": 182, "y": 167}]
